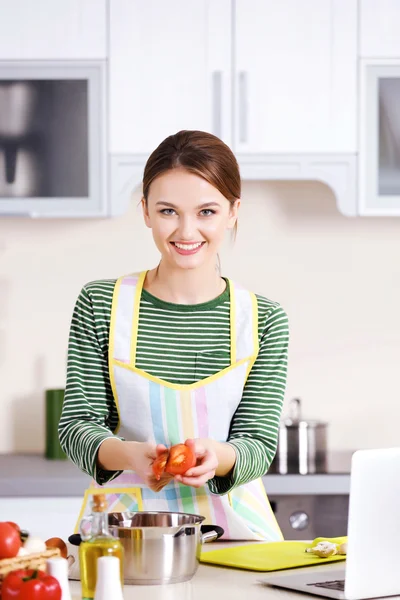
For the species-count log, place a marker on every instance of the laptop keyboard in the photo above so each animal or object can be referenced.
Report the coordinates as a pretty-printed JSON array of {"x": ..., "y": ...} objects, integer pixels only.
[{"x": 338, "y": 584}]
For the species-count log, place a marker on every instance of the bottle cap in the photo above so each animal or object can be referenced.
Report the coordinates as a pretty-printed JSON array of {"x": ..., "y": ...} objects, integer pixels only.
[{"x": 99, "y": 503}]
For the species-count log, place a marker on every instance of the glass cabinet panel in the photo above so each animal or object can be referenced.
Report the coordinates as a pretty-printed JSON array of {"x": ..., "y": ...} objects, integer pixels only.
[
  {"x": 52, "y": 149},
  {"x": 380, "y": 138}
]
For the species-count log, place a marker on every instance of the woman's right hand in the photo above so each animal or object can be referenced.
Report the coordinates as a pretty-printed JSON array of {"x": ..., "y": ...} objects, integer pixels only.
[{"x": 143, "y": 456}]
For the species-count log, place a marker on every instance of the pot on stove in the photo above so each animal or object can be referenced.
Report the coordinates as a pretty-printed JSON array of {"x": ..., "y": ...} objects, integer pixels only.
[{"x": 302, "y": 444}]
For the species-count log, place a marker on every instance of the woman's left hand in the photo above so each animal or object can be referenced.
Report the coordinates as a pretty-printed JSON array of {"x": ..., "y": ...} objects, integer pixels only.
[{"x": 206, "y": 464}]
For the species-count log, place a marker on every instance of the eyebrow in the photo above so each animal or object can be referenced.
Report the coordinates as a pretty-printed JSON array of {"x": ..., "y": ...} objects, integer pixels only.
[{"x": 170, "y": 205}]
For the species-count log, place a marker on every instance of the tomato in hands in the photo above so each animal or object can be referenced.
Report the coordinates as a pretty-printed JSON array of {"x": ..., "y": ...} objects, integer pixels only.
[
  {"x": 175, "y": 461},
  {"x": 159, "y": 464},
  {"x": 10, "y": 541},
  {"x": 30, "y": 584},
  {"x": 181, "y": 459}
]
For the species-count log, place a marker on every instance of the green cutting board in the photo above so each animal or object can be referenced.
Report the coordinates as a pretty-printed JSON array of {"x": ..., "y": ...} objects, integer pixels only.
[{"x": 271, "y": 556}]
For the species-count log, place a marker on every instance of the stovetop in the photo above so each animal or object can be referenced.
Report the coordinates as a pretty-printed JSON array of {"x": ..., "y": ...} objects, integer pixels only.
[{"x": 338, "y": 462}]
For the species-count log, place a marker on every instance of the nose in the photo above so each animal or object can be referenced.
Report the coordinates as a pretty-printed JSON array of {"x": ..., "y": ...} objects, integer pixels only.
[{"x": 186, "y": 229}]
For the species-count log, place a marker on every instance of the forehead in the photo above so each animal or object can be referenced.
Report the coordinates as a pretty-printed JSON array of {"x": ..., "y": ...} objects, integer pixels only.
[{"x": 179, "y": 186}]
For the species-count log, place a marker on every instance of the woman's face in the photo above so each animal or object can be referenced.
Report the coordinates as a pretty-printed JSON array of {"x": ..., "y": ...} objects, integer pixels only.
[{"x": 188, "y": 218}]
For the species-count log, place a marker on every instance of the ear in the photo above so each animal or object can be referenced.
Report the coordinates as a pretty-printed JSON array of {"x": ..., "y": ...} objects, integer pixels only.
[
  {"x": 233, "y": 214},
  {"x": 146, "y": 215}
]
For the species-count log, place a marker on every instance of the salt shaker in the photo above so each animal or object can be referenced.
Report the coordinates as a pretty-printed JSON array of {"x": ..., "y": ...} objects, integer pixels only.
[
  {"x": 108, "y": 579},
  {"x": 58, "y": 568}
]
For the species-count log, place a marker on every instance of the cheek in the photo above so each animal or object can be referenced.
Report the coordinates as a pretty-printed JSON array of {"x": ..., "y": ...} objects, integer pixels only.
[{"x": 215, "y": 228}]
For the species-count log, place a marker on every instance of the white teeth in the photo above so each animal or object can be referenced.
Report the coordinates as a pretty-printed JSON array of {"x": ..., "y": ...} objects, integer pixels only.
[{"x": 187, "y": 246}]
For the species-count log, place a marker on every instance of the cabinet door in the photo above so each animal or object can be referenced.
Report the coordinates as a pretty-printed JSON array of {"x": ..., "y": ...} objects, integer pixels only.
[
  {"x": 169, "y": 70},
  {"x": 379, "y": 159},
  {"x": 379, "y": 28},
  {"x": 48, "y": 29},
  {"x": 296, "y": 76}
]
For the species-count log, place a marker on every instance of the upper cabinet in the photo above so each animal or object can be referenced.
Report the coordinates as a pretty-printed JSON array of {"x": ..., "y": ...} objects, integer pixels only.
[
  {"x": 379, "y": 114},
  {"x": 169, "y": 69},
  {"x": 295, "y": 76},
  {"x": 379, "y": 28},
  {"x": 52, "y": 29}
]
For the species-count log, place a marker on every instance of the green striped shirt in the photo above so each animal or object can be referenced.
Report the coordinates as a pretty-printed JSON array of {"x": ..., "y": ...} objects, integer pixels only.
[{"x": 180, "y": 344}]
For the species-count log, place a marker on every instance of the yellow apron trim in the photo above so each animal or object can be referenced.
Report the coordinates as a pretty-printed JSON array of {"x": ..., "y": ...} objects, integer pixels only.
[
  {"x": 92, "y": 491},
  {"x": 111, "y": 348},
  {"x": 256, "y": 345},
  {"x": 254, "y": 310},
  {"x": 135, "y": 320},
  {"x": 233, "y": 322},
  {"x": 185, "y": 386}
]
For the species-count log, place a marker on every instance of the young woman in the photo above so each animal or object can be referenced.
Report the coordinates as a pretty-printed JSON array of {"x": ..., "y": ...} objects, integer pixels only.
[{"x": 180, "y": 354}]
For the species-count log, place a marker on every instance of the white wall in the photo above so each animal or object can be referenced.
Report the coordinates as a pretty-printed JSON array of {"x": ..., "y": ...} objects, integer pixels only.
[{"x": 338, "y": 279}]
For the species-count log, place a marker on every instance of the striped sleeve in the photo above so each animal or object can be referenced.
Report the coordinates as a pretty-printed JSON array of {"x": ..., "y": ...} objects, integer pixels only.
[
  {"x": 89, "y": 414},
  {"x": 255, "y": 425}
]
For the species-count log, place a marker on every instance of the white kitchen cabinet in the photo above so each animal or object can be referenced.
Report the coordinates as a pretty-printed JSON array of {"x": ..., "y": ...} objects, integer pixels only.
[
  {"x": 42, "y": 517},
  {"x": 169, "y": 69},
  {"x": 52, "y": 29},
  {"x": 295, "y": 76},
  {"x": 379, "y": 157},
  {"x": 379, "y": 28},
  {"x": 53, "y": 152}
]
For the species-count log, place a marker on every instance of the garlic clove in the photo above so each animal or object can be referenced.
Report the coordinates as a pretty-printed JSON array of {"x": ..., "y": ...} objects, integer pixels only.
[{"x": 34, "y": 544}]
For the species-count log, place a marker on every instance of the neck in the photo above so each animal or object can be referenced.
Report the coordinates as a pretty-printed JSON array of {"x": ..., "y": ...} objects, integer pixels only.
[{"x": 184, "y": 286}]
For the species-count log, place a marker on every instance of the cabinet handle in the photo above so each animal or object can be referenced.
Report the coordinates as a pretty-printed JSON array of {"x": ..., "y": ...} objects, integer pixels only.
[
  {"x": 217, "y": 103},
  {"x": 243, "y": 107}
]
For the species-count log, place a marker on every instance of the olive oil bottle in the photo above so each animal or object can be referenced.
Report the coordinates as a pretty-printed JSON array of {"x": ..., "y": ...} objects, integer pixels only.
[{"x": 99, "y": 542}]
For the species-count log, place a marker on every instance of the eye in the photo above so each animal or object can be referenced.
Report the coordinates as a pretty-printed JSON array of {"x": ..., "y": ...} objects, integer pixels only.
[
  {"x": 167, "y": 211},
  {"x": 208, "y": 211}
]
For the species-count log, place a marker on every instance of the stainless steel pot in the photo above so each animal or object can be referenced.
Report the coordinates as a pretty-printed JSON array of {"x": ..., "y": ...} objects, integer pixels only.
[
  {"x": 160, "y": 547},
  {"x": 302, "y": 444}
]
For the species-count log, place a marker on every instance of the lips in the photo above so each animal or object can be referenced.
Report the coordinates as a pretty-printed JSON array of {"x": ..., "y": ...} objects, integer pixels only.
[{"x": 186, "y": 248}]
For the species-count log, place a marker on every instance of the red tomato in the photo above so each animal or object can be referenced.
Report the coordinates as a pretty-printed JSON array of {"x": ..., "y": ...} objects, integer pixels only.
[
  {"x": 10, "y": 541},
  {"x": 181, "y": 459},
  {"x": 159, "y": 464},
  {"x": 30, "y": 584},
  {"x": 17, "y": 527}
]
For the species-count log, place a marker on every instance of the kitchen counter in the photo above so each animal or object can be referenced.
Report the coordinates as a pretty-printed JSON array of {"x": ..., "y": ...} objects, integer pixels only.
[
  {"x": 212, "y": 582},
  {"x": 32, "y": 475}
]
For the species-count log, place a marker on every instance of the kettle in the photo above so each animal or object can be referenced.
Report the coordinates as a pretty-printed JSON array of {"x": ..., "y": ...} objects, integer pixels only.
[{"x": 302, "y": 444}]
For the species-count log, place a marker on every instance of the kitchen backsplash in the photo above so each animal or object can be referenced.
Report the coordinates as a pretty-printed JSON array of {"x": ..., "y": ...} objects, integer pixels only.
[{"x": 338, "y": 279}]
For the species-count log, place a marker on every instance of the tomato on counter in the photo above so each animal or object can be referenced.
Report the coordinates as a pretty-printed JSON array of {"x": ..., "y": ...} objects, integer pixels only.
[
  {"x": 175, "y": 461},
  {"x": 10, "y": 540},
  {"x": 30, "y": 584}
]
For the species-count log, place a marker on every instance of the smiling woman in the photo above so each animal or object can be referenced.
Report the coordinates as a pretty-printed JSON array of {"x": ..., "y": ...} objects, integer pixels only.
[{"x": 179, "y": 354}]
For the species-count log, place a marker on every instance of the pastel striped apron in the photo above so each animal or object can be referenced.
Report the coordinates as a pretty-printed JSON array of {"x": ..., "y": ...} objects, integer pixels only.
[{"x": 151, "y": 409}]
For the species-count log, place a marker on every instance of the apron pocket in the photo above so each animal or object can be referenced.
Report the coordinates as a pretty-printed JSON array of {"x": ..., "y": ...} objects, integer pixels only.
[{"x": 210, "y": 362}]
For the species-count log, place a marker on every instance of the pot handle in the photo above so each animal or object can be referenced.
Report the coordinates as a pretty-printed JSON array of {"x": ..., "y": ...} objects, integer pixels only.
[
  {"x": 210, "y": 533},
  {"x": 295, "y": 410},
  {"x": 210, "y": 536}
]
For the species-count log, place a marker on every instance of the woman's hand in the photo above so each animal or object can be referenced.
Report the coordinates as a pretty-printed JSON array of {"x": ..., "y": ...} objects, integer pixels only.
[
  {"x": 206, "y": 465},
  {"x": 142, "y": 460}
]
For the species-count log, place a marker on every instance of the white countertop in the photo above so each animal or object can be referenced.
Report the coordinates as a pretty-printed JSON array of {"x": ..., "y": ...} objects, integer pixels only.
[{"x": 216, "y": 583}]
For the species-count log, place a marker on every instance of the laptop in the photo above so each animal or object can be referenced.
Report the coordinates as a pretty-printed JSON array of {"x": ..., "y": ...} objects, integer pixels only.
[{"x": 373, "y": 553}]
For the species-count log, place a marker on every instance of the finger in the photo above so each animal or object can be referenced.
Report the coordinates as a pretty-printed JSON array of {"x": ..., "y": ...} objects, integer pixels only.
[
  {"x": 196, "y": 448},
  {"x": 160, "y": 448},
  {"x": 202, "y": 469},
  {"x": 208, "y": 463},
  {"x": 196, "y": 482}
]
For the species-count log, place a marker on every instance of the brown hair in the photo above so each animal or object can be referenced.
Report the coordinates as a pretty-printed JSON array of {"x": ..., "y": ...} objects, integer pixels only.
[{"x": 200, "y": 153}]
